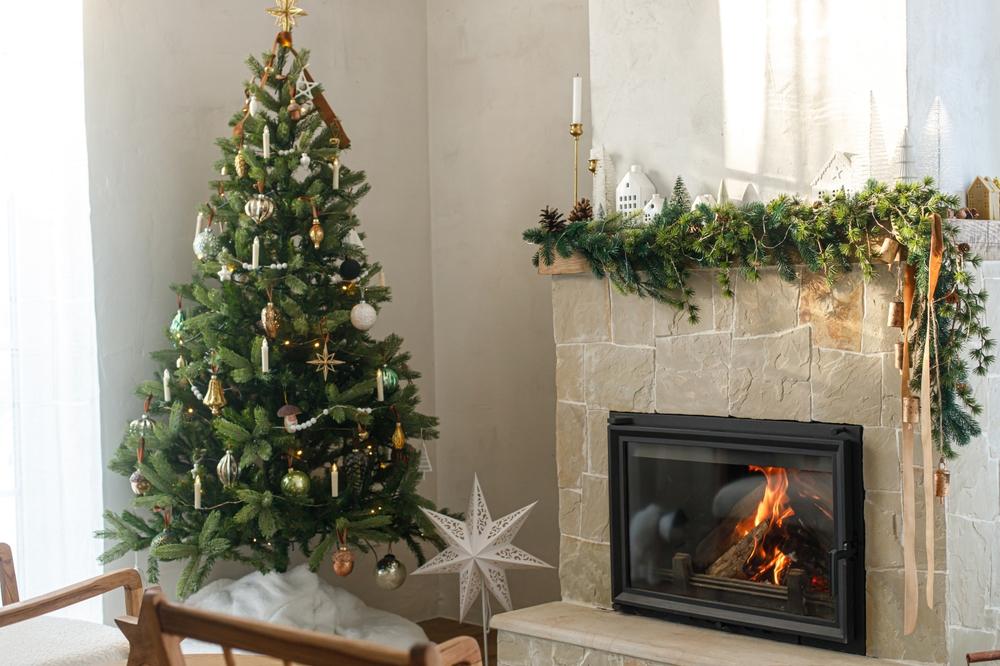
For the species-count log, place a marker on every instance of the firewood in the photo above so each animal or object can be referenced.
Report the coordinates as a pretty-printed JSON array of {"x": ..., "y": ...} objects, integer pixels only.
[
  {"x": 730, "y": 565},
  {"x": 723, "y": 536}
]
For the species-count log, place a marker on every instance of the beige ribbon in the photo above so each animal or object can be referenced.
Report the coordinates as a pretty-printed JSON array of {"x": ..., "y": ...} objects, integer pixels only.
[
  {"x": 926, "y": 424},
  {"x": 906, "y": 466}
]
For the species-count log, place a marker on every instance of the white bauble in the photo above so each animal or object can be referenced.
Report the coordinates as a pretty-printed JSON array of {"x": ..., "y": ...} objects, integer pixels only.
[
  {"x": 363, "y": 316},
  {"x": 205, "y": 243},
  {"x": 254, "y": 106}
]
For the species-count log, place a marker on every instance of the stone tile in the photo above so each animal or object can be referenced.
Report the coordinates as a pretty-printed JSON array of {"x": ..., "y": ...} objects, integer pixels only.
[
  {"x": 585, "y": 571},
  {"x": 619, "y": 378},
  {"x": 769, "y": 305},
  {"x": 891, "y": 403},
  {"x": 540, "y": 651},
  {"x": 991, "y": 400},
  {"x": 971, "y": 561},
  {"x": 940, "y": 531},
  {"x": 876, "y": 336},
  {"x": 570, "y": 501},
  {"x": 846, "y": 387},
  {"x": 570, "y": 439},
  {"x": 835, "y": 312},
  {"x": 885, "y": 621},
  {"x": 723, "y": 306},
  {"x": 883, "y": 545},
  {"x": 631, "y": 318},
  {"x": 671, "y": 321},
  {"x": 964, "y": 641},
  {"x": 512, "y": 649},
  {"x": 594, "y": 510},
  {"x": 564, "y": 654},
  {"x": 692, "y": 374},
  {"x": 598, "y": 658},
  {"x": 581, "y": 309},
  {"x": 769, "y": 376},
  {"x": 569, "y": 373},
  {"x": 881, "y": 459},
  {"x": 597, "y": 441},
  {"x": 975, "y": 481}
]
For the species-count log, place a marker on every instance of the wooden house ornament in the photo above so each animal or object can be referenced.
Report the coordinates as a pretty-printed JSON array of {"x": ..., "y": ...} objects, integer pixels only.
[{"x": 984, "y": 196}]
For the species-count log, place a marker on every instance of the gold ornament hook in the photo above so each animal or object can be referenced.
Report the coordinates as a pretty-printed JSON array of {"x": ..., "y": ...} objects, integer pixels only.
[{"x": 285, "y": 12}]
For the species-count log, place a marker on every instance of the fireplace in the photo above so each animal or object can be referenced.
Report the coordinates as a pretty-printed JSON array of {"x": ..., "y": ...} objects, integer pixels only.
[{"x": 747, "y": 525}]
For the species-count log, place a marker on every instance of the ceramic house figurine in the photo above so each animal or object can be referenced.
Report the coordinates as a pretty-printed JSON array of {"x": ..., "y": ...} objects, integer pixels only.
[
  {"x": 839, "y": 173},
  {"x": 751, "y": 195},
  {"x": 984, "y": 196},
  {"x": 652, "y": 208},
  {"x": 724, "y": 193},
  {"x": 707, "y": 199},
  {"x": 634, "y": 190}
]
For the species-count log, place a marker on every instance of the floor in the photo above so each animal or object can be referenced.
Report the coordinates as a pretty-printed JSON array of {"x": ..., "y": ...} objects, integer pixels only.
[{"x": 441, "y": 629}]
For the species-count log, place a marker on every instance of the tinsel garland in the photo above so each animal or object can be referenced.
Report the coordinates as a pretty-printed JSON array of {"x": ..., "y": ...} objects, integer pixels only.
[{"x": 839, "y": 232}]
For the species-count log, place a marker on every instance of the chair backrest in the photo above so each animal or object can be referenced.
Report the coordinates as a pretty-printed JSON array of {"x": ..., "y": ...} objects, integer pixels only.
[
  {"x": 165, "y": 624},
  {"x": 8, "y": 580}
]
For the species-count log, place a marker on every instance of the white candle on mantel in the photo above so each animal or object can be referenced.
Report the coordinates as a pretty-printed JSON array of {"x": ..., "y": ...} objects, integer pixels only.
[
  {"x": 577, "y": 99},
  {"x": 265, "y": 357},
  {"x": 334, "y": 481},
  {"x": 166, "y": 385},
  {"x": 255, "y": 259}
]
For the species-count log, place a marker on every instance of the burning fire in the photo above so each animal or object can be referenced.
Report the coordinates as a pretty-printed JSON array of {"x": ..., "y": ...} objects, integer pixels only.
[{"x": 767, "y": 561}]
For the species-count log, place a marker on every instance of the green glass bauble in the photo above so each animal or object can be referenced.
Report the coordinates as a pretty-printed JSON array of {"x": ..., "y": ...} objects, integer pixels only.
[
  {"x": 167, "y": 536},
  {"x": 295, "y": 483},
  {"x": 177, "y": 326},
  {"x": 390, "y": 379}
]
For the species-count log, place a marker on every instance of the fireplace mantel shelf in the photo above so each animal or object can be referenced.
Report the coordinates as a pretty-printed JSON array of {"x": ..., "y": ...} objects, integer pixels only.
[{"x": 658, "y": 640}]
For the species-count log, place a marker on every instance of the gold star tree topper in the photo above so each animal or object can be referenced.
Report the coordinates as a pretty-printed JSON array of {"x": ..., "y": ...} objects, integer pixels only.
[{"x": 285, "y": 12}]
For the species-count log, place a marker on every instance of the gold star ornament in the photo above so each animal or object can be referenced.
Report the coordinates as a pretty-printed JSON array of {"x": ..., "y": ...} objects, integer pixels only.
[
  {"x": 325, "y": 361},
  {"x": 285, "y": 12}
]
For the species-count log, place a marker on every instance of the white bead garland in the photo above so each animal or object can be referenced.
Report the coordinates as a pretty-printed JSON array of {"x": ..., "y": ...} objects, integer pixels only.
[
  {"x": 198, "y": 394},
  {"x": 308, "y": 423},
  {"x": 275, "y": 267}
]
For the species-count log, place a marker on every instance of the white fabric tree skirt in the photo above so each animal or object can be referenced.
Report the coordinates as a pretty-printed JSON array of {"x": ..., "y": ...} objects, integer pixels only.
[{"x": 300, "y": 598}]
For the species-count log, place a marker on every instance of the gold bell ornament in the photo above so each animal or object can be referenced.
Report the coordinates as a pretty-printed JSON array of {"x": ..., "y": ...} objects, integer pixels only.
[
  {"x": 214, "y": 397},
  {"x": 895, "y": 318},
  {"x": 269, "y": 320},
  {"x": 898, "y": 349},
  {"x": 911, "y": 410},
  {"x": 942, "y": 480}
]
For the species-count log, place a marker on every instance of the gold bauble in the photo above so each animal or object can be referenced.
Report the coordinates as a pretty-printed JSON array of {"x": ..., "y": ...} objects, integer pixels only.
[
  {"x": 214, "y": 398},
  {"x": 398, "y": 437},
  {"x": 240, "y": 162},
  {"x": 140, "y": 484},
  {"x": 343, "y": 561},
  {"x": 269, "y": 320},
  {"x": 316, "y": 233}
]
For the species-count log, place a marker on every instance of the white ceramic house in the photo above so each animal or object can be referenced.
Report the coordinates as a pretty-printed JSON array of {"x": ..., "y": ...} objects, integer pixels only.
[
  {"x": 840, "y": 172},
  {"x": 652, "y": 208},
  {"x": 634, "y": 190},
  {"x": 706, "y": 199}
]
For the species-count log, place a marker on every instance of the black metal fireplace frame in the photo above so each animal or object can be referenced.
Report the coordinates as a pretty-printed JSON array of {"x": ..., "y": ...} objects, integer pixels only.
[{"x": 843, "y": 443}]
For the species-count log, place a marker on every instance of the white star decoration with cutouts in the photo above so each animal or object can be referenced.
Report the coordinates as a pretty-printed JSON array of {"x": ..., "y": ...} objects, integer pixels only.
[
  {"x": 304, "y": 87},
  {"x": 480, "y": 550}
]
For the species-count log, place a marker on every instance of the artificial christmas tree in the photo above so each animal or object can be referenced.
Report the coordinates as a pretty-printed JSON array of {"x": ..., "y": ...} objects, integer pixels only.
[{"x": 272, "y": 388}]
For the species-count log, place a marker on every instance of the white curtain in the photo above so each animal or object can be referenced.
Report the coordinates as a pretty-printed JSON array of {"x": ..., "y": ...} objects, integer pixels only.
[{"x": 50, "y": 479}]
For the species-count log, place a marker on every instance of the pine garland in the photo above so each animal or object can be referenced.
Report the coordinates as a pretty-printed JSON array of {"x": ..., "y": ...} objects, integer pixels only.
[{"x": 838, "y": 233}]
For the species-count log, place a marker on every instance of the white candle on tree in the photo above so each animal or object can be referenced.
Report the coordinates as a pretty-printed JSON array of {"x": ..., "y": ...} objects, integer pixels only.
[
  {"x": 265, "y": 356},
  {"x": 166, "y": 385},
  {"x": 334, "y": 481},
  {"x": 267, "y": 143},
  {"x": 255, "y": 259},
  {"x": 577, "y": 99},
  {"x": 197, "y": 491}
]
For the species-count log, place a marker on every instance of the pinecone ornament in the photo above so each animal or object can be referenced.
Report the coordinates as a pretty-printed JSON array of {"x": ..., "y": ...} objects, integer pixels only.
[
  {"x": 355, "y": 470},
  {"x": 552, "y": 220},
  {"x": 581, "y": 211}
]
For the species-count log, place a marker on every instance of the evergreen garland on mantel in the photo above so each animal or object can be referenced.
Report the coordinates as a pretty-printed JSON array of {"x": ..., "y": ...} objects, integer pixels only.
[{"x": 835, "y": 234}]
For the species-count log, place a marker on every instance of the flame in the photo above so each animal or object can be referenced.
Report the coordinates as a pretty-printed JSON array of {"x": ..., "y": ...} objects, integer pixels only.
[{"x": 774, "y": 509}]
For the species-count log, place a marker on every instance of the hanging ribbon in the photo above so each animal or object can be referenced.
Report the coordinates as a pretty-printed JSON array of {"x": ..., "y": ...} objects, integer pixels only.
[
  {"x": 906, "y": 463},
  {"x": 926, "y": 424}
]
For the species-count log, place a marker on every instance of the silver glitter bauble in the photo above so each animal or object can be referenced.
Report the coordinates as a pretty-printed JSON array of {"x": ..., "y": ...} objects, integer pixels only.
[
  {"x": 363, "y": 316},
  {"x": 205, "y": 244},
  {"x": 390, "y": 573},
  {"x": 259, "y": 208}
]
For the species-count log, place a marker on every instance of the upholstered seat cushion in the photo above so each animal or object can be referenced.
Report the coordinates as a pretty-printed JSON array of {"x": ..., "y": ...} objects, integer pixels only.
[{"x": 55, "y": 641}]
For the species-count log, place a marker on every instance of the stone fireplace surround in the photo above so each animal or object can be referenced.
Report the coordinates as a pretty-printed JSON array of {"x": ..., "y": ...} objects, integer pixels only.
[{"x": 776, "y": 350}]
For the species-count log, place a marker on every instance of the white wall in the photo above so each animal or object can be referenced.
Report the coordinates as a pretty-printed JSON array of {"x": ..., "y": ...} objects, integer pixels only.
[
  {"x": 500, "y": 77},
  {"x": 162, "y": 81}
]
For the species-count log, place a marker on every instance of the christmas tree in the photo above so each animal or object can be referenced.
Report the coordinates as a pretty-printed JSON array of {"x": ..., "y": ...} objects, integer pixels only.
[{"x": 275, "y": 420}]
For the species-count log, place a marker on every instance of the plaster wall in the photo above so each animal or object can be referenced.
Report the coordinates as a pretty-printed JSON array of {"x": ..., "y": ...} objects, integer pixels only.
[{"x": 162, "y": 80}]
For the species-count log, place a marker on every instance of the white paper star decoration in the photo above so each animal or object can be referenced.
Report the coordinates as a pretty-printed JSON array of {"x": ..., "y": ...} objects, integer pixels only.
[
  {"x": 304, "y": 87},
  {"x": 480, "y": 550}
]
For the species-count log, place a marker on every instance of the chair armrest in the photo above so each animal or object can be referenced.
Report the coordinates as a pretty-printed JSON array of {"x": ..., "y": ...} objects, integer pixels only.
[
  {"x": 460, "y": 650},
  {"x": 8, "y": 579},
  {"x": 128, "y": 579}
]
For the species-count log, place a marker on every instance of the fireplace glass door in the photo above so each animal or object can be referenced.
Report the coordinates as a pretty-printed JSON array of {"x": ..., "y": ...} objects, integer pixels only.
[{"x": 738, "y": 521}]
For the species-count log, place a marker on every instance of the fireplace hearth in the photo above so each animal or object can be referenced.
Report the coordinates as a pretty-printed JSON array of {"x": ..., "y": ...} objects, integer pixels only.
[{"x": 746, "y": 525}]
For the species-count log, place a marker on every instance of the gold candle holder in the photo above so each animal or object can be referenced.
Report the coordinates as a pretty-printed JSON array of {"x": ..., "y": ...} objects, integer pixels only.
[
  {"x": 576, "y": 131},
  {"x": 592, "y": 165}
]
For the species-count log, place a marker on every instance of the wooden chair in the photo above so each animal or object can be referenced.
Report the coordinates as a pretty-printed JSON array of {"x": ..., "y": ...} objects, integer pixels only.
[
  {"x": 77, "y": 637},
  {"x": 165, "y": 624},
  {"x": 980, "y": 657}
]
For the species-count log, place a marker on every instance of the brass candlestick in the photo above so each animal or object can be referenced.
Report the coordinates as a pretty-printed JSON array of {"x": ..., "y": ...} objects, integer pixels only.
[
  {"x": 592, "y": 165},
  {"x": 576, "y": 131}
]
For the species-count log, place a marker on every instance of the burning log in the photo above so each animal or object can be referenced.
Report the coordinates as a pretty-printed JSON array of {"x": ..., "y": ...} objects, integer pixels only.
[
  {"x": 722, "y": 537},
  {"x": 730, "y": 564}
]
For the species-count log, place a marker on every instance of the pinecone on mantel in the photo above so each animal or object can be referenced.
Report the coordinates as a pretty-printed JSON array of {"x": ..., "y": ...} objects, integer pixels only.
[
  {"x": 581, "y": 211},
  {"x": 552, "y": 220}
]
